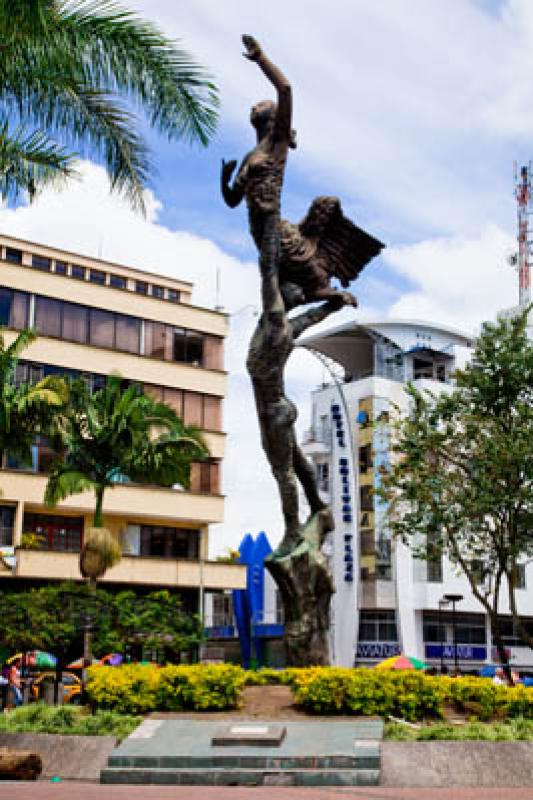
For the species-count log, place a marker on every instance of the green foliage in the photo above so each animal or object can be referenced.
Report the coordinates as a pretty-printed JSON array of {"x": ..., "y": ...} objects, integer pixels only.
[
  {"x": 26, "y": 410},
  {"x": 118, "y": 433},
  {"x": 65, "y": 720},
  {"x": 72, "y": 72},
  {"x": 138, "y": 688},
  {"x": 461, "y": 481},
  {"x": 510, "y": 730},
  {"x": 49, "y": 619}
]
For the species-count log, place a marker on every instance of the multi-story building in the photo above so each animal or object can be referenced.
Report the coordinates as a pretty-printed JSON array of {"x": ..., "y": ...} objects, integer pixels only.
[
  {"x": 94, "y": 318},
  {"x": 386, "y": 600}
]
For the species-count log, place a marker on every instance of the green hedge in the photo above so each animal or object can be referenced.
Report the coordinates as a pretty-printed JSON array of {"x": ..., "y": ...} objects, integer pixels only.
[{"x": 138, "y": 688}]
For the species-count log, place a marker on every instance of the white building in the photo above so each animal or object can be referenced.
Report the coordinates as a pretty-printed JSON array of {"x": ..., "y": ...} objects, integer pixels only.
[{"x": 386, "y": 601}]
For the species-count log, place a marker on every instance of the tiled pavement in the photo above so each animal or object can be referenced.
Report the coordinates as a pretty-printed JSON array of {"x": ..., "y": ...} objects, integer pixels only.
[{"x": 79, "y": 791}]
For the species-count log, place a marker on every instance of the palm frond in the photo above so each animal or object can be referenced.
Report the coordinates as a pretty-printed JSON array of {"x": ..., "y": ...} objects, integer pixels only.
[
  {"x": 30, "y": 160},
  {"x": 64, "y": 482},
  {"x": 65, "y": 65}
]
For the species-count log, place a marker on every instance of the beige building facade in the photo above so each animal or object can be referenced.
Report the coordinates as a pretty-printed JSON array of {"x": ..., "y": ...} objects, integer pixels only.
[{"x": 93, "y": 318}]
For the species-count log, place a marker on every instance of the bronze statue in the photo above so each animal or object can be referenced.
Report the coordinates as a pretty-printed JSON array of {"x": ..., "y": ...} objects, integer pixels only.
[
  {"x": 325, "y": 244},
  {"x": 295, "y": 264}
]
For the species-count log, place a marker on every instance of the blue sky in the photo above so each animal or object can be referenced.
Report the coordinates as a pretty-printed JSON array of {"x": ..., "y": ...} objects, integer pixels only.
[{"x": 411, "y": 111}]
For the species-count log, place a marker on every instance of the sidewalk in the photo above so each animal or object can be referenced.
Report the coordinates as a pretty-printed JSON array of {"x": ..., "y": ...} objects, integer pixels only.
[{"x": 65, "y": 791}]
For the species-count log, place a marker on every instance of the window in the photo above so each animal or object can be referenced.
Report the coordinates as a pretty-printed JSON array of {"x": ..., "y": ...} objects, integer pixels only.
[
  {"x": 173, "y": 295},
  {"x": 195, "y": 348},
  {"x": 157, "y": 340},
  {"x": 61, "y": 267},
  {"x": 48, "y": 316},
  {"x": 434, "y": 559},
  {"x": 57, "y": 533},
  {"x": 222, "y": 610},
  {"x": 212, "y": 413},
  {"x": 510, "y": 635},
  {"x": 213, "y": 357},
  {"x": 141, "y": 287},
  {"x": 169, "y": 542},
  {"x": 365, "y": 493},
  {"x": 41, "y": 262},
  {"x": 158, "y": 291},
  {"x": 13, "y": 309},
  {"x": 205, "y": 477},
  {"x": 520, "y": 576},
  {"x": 422, "y": 368},
  {"x": 368, "y": 543},
  {"x": 322, "y": 476},
  {"x": 75, "y": 322},
  {"x": 127, "y": 334},
  {"x": 96, "y": 276},
  {"x": 77, "y": 272},
  {"x": 469, "y": 628},
  {"x": 365, "y": 458},
  {"x": 174, "y": 399},
  {"x": 101, "y": 328},
  {"x": 377, "y": 626},
  {"x": 7, "y": 524},
  {"x": 117, "y": 282},
  {"x": 193, "y": 409},
  {"x": 13, "y": 256}
]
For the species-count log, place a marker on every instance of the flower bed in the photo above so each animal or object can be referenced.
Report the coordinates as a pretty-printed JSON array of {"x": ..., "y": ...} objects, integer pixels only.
[{"x": 138, "y": 689}]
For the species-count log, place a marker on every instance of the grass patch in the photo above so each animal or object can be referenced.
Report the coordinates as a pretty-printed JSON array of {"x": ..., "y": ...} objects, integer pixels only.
[
  {"x": 39, "y": 718},
  {"x": 518, "y": 729}
]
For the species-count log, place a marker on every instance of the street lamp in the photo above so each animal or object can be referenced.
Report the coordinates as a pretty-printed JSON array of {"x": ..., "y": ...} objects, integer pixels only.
[
  {"x": 443, "y": 603},
  {"x": 453, "y": 599}
]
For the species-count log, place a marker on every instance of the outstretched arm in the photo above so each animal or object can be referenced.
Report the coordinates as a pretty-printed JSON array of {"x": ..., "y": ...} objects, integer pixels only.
[
  {"x": 231, "y": 194},
  {"x": 304, "y": 321},
  {"x": 282, "y": 127}
]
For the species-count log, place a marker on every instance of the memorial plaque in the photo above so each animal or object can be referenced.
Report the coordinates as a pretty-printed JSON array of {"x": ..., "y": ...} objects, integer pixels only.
[{"x": 252, "y": 735}]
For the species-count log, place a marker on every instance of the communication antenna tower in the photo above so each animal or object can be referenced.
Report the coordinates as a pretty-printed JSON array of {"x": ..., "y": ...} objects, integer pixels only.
[{"x": 524, "y": 208}]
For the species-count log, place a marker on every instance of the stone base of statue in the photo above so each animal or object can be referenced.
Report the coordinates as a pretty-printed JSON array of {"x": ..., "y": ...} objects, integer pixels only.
[{"x": 304, "y": 582}]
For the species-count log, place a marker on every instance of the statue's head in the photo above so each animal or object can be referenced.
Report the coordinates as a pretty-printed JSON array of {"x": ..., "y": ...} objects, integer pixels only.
[{"x": 262, "y": 117}]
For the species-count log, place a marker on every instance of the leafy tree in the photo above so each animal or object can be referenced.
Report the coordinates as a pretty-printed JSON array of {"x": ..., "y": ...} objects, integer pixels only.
[
  {"x": 25, "y": 410},
  {"x": 462, "y": 480},
  {"x": 72, "y": 74},
  {"x": 113, "y": 435},
  {"x": 51, "y": 618}
]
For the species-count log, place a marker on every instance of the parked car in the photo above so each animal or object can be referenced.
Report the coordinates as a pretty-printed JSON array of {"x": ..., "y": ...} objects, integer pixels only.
[{"x": 72, "y": 686}]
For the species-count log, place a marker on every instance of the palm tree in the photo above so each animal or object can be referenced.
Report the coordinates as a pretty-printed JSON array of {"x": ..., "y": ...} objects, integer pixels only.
[
  {"x": 71, "y": 73},
  {"x": 26, "y": 410},
  {"x": 114, "y": 435}
]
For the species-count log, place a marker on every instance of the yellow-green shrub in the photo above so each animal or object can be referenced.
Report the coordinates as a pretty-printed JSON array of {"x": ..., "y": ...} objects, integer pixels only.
[
  {"x": 130, "y": 689},
  {"x": 519, "y": 702},
  {"x": 136, "y": 688}
]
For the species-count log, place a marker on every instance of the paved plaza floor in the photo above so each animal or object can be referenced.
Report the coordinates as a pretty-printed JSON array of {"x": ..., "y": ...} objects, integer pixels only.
[{"x": 66, "y": 791}]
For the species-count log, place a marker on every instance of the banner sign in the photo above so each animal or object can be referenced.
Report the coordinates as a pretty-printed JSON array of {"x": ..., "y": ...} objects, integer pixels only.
[
  {"x": 465, "y": 652},
  {"x": 377, "y": 649}
]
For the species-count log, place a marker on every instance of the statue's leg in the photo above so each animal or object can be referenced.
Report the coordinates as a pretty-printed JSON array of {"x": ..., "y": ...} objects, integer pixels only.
[
  {"x": 306, "y": 475},
  {"x": 278, "y": 442}
]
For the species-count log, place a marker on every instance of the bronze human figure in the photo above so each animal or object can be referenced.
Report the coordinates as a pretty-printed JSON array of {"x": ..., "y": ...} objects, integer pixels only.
[
  {"x": 295, "y": 264},
  {"x": 325, "y": 244}
]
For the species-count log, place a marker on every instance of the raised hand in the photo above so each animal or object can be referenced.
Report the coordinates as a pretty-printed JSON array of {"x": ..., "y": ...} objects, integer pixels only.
[
  {"x": 253, "y": 48},
  {"x": 227, "y": 170}
]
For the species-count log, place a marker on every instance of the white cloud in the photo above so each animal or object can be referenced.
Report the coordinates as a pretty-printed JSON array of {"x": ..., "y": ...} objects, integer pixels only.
[{"x": 461, "y": 281}]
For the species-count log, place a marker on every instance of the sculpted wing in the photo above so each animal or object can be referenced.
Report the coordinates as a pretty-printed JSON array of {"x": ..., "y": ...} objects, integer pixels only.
[{"x": 343, "y": 248}]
